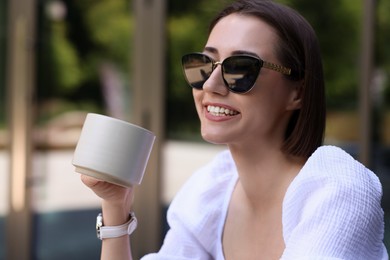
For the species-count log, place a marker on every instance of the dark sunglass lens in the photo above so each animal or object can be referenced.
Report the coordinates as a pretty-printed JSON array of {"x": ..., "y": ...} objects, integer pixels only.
[
  {"x": 197, "y": 69},
  {"x": 240, "y": 72}
]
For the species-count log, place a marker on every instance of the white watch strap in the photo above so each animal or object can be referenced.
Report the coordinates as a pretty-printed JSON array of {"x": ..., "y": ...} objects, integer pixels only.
[{"x": 115, "y": 231}]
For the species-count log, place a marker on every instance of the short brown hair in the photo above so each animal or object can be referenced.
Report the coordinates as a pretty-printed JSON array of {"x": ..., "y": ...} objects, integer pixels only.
[{"x": 299, "y": 50}]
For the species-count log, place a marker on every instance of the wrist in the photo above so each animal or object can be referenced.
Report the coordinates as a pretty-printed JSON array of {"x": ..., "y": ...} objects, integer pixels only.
[{"x": 114, "y": 214}]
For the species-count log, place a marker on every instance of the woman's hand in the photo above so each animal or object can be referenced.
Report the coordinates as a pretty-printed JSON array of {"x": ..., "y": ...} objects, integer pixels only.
[
  {"x": 107, "y": 191},
  {"x": 116, "y": 205},
  {"x": 116, "y": 200}
]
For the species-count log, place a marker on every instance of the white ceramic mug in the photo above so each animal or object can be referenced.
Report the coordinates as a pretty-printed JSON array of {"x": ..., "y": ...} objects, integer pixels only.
[{"x": 113, "y": 150}]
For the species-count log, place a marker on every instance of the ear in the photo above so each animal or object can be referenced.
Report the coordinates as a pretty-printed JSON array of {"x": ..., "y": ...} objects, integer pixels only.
[{"x": 295, "y": 101}]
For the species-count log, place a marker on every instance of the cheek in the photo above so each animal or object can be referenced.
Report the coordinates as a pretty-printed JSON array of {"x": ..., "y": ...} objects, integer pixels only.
[
  {"x": 265, "y": 107},
  {"x": 272, "y": 96}
]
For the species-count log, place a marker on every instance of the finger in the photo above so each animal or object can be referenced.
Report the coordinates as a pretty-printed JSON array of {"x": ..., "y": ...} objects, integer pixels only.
[{"x": 89, "y": 181}]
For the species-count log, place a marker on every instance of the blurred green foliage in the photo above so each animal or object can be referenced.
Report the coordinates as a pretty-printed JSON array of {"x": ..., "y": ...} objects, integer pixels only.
[
  {"x": 64, "y": 56},
  {"x": 72, "y": 49},
  {"x": 337, "y": 28}
]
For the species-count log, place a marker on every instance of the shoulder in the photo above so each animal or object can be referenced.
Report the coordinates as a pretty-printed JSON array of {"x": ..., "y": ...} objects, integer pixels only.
[
  {"x": 198, "y": 206},
  {"x": 331, "y": 166},
  {"x": 334, "y": 204},
  {"x": 332, "y": 174}
]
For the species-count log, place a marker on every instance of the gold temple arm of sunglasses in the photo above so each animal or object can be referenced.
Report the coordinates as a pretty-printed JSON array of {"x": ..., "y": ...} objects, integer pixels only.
[{"x": 276, "y": 67}]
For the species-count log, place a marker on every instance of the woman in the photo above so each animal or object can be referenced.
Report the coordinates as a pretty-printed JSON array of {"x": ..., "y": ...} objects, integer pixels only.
[{"x": 277, "y": 193}]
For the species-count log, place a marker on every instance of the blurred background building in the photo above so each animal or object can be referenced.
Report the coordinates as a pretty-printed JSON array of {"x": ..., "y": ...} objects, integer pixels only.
[{"x": 60, "y": 59}]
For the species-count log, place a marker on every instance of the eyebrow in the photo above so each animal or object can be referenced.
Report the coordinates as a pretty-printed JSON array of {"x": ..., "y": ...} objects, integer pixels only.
[
  {"x": 237, "y": 52},
  {"x": 210, "y": 49}
]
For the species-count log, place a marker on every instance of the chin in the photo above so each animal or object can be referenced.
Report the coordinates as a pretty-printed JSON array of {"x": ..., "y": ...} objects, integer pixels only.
[{"x": 214, "y": 139}]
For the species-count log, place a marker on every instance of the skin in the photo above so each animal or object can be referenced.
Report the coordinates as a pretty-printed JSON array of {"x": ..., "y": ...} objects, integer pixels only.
[{"x": 253, "y": 227}]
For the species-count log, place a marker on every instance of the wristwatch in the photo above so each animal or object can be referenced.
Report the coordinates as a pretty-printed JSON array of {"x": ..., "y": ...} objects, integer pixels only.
[{"x": 103, "y": 232}]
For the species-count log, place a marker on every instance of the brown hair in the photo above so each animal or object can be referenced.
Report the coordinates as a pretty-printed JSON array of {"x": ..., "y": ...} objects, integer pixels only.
[{"x": 298, "y": 49}]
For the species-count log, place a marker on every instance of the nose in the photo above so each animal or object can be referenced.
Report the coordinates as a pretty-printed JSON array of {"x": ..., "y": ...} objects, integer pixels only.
[{"x": 215, "y": 83}]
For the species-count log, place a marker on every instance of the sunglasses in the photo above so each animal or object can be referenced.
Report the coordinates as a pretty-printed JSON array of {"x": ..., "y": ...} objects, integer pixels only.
[{"x": 239, "y": 72}]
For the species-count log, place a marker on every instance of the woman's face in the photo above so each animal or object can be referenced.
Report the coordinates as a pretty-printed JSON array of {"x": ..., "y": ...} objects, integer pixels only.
[{"x": 259, "y": 116}]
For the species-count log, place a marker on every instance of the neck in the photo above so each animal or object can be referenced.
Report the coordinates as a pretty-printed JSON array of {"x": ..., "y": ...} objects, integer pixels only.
[{"x": 265, "y": 174}]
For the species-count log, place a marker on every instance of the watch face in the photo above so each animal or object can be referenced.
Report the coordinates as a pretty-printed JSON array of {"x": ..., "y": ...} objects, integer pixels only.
[
  {"x": 133, "y": 223},
  {"x": 99, "y": 224}
]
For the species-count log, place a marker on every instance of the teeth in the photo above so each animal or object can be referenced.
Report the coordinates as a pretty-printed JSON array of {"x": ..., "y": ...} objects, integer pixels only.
[{"x": 221, "y": 111}]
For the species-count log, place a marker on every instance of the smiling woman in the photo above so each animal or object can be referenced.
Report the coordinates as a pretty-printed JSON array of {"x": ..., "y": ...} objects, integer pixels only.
[{"x": 277, "y": 193}]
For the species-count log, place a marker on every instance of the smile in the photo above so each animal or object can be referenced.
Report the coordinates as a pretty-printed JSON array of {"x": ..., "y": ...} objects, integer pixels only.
[{"x": 221, "y": 111}]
